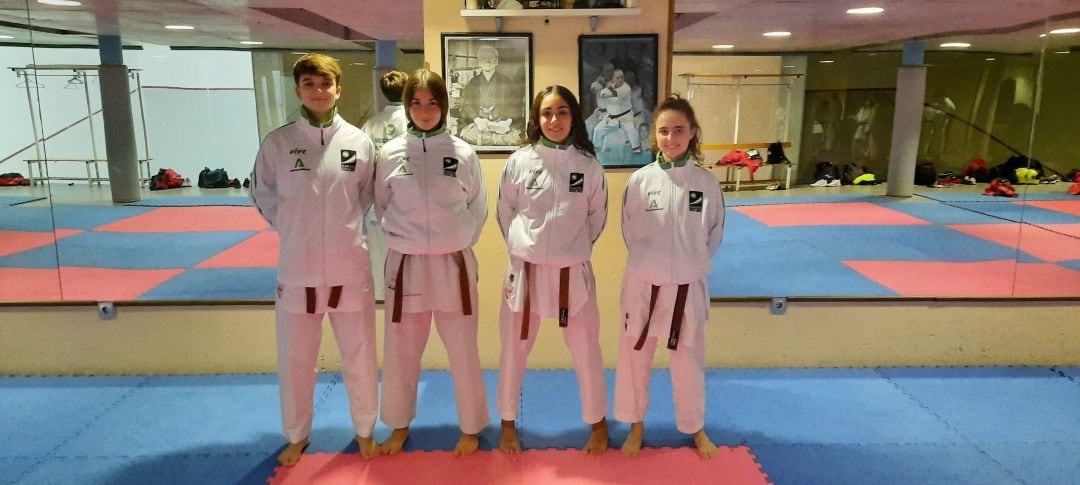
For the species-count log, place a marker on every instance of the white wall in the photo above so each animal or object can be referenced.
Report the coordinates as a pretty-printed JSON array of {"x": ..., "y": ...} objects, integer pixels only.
[{"x": 199, "y": 108}]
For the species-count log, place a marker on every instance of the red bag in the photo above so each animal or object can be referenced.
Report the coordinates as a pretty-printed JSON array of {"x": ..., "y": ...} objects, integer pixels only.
[{"x": 166, "y": 178}]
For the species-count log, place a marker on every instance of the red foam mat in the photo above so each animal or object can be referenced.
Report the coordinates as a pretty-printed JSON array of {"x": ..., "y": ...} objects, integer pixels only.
[
  {"x": 1071, "y": 207},
  {"x": 29, "y": 284},
  {"x": 79, "y": 284},
  {"x": 12, "y": 242},
  {"x": 191, "y": 219},
  {"x": 258, "y": 251},
  {"x": 983, "y": 278},
  {"x": 663, "y": 465},
  {"x": 828, "y": 214},
  {"x": 1049, "y": 242}
]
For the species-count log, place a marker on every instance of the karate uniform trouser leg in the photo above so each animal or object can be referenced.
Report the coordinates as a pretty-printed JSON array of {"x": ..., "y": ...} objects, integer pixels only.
[
  {"x": 459, "y": 333},
  {"x": 403, "y": 346},
  {"x": 582, "y": 336},
  {"x": 632, "y": 374},
  {"x": 298, "y": 337},
  {"x": 355, "y": 335},
  {"x": 630, "y": 129},
  {"x": 688, "y": 385}
]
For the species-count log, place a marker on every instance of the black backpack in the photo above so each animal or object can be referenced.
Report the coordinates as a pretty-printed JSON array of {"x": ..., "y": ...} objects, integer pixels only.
[
  {"x": 926, "y": 174},
  {"x": 213, "y": 179},
  {"x": 851, "y": 172},
  {"x": 826, "y": 170}
]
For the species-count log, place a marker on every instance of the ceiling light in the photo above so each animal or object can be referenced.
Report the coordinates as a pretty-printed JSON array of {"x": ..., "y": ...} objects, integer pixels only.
[
  {"x": 723, "y": 46},
  {"x": 6, "y": 37},
  {"x": 777, "y": 34},
  {"x": 60, "y": 3},
  {"x": 359, "y": 63},
  {"x": 827, "y": 61},
  {"x": 865, "y": 10},
  {"x": 789, "y": 67},
  {"x": 301, "y": 53},
  {"x": 1062, "y": 52},
  {"x": 1042, "y": 35},
  {"x": 251, "y": 42},
  {"x": 956, "y": 44},
  {"x": 179, "y": 27},
  {"x": 1070, "y": 30},
  {"x": 991, "y": 59}
]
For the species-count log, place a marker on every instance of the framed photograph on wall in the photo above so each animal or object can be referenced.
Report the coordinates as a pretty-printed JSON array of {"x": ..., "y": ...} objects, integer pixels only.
[
  {"x": 617, "y": 82},
  {"x": 489, "y": 80}
]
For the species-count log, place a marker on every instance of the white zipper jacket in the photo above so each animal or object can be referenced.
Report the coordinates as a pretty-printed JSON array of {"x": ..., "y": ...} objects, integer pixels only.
[
  {"x": 386, "y": 125},
  {"x": 672, "y": 222},
  {"x": 313, "y": 185},
  {"x": 429, "y": 194},
  {"x": 552, "y": 204}
]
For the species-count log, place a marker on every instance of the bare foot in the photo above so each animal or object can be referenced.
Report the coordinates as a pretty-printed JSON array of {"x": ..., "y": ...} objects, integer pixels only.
[
  {"x": 509, "y": 442},
  {"x": 705, "y": 447},
  {"x": 597, "y": 443},
  {"x": 393, "y": 444},
  {"x": 368, "y": 447},
  {"x": 293, "y": 452},
  {"x": 466, "y": 444},
  {"x": 632, "y": 446}
]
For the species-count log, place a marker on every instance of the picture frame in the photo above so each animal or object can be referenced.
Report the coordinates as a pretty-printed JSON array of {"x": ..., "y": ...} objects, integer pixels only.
[
  {"x": 489, "y": 80},
  {"x": 621, "y": 138}
]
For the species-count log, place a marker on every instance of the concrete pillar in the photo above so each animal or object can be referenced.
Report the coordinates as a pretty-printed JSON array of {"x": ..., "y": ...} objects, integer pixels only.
[
  {"x": 907, "y": 121},
  {"x": 385, "y": 61},
  {"x": 120, "y": 145}
]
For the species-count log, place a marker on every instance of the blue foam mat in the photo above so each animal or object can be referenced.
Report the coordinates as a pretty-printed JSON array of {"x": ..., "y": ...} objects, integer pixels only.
[
  {"x": 144, "y": 250},
  {"x": 1038, "y": 462},
  {"x": 1019, "y": 213},
  {"x": 898, "y": 243},
  {"x": 784, "y": 268},
  {"x": 10, "y": 200},
  {"x": 89, "y": 217},
  {"x": 217, "y": 200},
  {"x": 904, "y": 464},
  {"x": 1023, "y": 403},
  {"x": 940, "y": 213},
  {"x": 35, "y": 219},
  {"x": 217, "y": 284},
  {"x": 200, "y": 467},
  {"x": 1073, "y": 264},
  {"x": 736, "y": 201}
]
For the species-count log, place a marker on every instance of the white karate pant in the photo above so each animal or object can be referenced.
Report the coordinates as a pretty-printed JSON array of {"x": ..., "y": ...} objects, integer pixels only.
[
  {"x": 404, "y": 346},
  {"x": 687, "y": 379},
  {"x": 582, "y": 335},
  {"x": 298, "y": 338}
]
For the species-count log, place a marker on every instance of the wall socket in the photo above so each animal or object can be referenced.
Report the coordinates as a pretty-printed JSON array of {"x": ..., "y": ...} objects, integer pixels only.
[
  {"x": 779, "y": 306},
  {"x": 106, "y": 310}
]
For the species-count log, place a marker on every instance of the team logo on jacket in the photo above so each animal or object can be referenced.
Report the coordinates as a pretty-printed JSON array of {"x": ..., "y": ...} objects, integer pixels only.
[
  {"x": 577, "y": 182},
  {"x": 697, "y": 200},
  {"x": 299, "y": 166},
  {"x": 348, "y": 160},
  {"x": 654, "y": 201},
  {"x": 449, "y": 166},
  {"x": 402, "y": 170},
  {"x": 534, "y": 179}
]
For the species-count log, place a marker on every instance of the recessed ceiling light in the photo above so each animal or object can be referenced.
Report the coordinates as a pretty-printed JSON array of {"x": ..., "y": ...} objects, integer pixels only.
[
  {"x": 865, "y": 10},
  {"x": 1062, "y": 52},
  {"x": 301, "y": 53},
  {"x": 778, "y": 33},
  {"x": 956, "y": 44},
  {"x": 827, "y": 61},
  {"x": 60, "y": 3},
  {"x": 359, "y": 63},
  {"x": 1042, "y": 35},
  {"x": 1069, "y": 30},
  {"x": 991, "y": 58},
  {"x": 251, "y": 42},
  {"x": 179, "y": 27},
  {"x": 789, "y": 67},
  {"x": 723, "y": 46},
  {"x": 6, "y": 37}
]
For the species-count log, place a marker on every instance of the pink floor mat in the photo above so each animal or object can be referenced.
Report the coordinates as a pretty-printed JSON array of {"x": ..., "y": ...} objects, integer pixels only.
[
  {"x": 1071, "y": 207},
  {"x": 1050, "y": 242},
  {"x": 12, "y": 242},
  {"x": 983, "y": 278},
  {"x": 258, "y": 251},
  {"x": 828, "y": 214},
  {"x": 191, "y": 219},
  {"x": 733, "y": 465}
]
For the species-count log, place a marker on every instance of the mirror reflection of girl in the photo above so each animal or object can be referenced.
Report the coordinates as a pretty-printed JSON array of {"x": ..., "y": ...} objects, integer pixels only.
[
  {"x": 673, "y": 221},
  {"x": 430, "y": 199},
  {"x": 552, "y": 207}
]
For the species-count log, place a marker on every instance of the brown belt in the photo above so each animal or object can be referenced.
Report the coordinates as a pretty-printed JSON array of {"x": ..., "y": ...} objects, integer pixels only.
[
  {"x": 564, "y": 299},
  {"x": 676, "y": 317},
  {"x": 335, "y": 297},
  {"x": 463, "y": 282}
]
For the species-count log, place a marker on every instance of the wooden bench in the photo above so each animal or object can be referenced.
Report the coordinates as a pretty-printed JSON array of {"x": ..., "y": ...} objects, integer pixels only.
[
  {"x": 735, "y": 171},
  {"x": 92, "y": 174}
]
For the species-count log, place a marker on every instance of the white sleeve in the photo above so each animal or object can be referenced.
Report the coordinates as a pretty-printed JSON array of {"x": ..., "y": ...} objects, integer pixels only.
[
  {"x": 264, "y": 193},
  {"x": 598, "y": 210},
  {"x": 716, "y": 226},
  {"x": 506, "y": 205},
  {"x": 477, "y": 197},
  {"x": 382, "y": 167},
  {"x": 366, "y": 155},
  {"x": 627, "y": 211}
]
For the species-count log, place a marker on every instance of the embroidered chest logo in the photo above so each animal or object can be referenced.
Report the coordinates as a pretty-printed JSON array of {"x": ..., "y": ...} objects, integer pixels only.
[
  {"x": 534, "y": 179},
  {"x": 298, "y": 151},
  {"x": 577, "y": 182},
  {"x": 449, "y": 166},
  {"x": 299, "y": 166},
  {"x": 654, "y": 201},
  {"x": 402, "y": 170},
  {"x": 348, "y": 160},
  {"x": 697, "y": 201}
]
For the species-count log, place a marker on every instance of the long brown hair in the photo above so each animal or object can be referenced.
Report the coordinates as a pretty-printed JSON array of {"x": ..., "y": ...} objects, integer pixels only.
[
  {"x": 578, "y": 132},
  {"x": 431, "y": 81},
  {"x": 677, "y": 103}
]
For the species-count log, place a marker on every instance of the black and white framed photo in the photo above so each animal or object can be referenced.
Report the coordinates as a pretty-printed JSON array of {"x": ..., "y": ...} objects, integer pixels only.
[
  {"x": 618, "y": 87},
  {"x": 489, "y": 80}
]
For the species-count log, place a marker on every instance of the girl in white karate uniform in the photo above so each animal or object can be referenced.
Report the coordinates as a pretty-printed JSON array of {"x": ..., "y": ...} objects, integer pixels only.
[
  {"x": 552, "y": 207},
  {"x": 431, "y": 202},
  {"x": 672, "y": 221}
]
